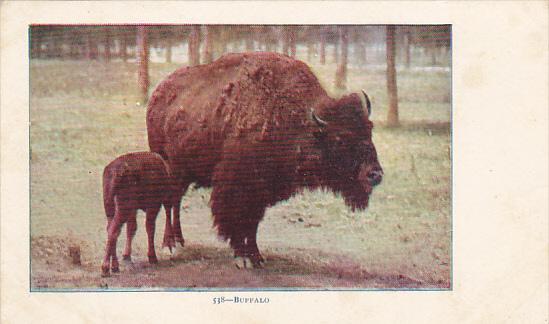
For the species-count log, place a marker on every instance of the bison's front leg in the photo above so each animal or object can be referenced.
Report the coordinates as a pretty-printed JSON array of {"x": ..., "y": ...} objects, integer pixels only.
[
  {"x": 251, "y": 249},
  {"x": 241, "y": 233},
  {"x": 238, "y": 203}
]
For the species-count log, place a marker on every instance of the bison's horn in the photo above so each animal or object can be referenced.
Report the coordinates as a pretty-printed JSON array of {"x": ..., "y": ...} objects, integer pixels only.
[
  {"x": 368, "y": 104},
  {"x": 317, "y": 119}
]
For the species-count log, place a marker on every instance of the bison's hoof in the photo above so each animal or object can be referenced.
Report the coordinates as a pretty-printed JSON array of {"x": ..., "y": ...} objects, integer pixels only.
[
  {"x": 115, "y": 269},
  {"x": 127, "y": 258},
  {"x": 169, "y": 243},
  {"x": 246, "y": 263},
  {"x": 241, "y": 263},
  {"x": 153, "y": 259}
]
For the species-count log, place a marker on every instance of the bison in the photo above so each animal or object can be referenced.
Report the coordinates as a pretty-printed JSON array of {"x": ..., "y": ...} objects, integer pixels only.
[
  {"x": 259, "y": 127},
  {"x": 134, "y": 181}
]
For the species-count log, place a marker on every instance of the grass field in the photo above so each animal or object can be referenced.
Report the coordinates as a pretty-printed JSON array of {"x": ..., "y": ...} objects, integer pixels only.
[{"x": 83, "y": 114}]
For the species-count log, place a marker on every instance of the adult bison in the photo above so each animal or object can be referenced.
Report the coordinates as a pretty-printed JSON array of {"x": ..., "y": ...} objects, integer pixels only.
[{"x": 258, "y": 127}]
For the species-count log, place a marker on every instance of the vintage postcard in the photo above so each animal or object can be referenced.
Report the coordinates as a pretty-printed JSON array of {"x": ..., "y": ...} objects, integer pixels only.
[
  {"x": 274, "y": 159},
  {"x": 265, "y": 132}
]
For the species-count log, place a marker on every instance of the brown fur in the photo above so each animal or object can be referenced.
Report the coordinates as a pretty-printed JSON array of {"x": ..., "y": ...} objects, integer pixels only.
[
  {"x": 243, "y": 125},
  {"x": 131, "y": 182}
]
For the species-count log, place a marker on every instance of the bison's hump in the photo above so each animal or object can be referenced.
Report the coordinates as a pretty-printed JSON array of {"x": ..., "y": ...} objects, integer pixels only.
[{"x": 246, "y": 93}]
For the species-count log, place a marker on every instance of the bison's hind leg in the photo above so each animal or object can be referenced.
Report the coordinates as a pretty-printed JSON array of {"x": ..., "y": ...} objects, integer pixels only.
[{"x": 168, "y": 240}]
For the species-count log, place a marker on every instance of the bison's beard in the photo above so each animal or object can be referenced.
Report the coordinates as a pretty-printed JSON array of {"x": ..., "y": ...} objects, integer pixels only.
[
  {"x": 356, "y": 195},
  {"x": 357, "y": 190}
]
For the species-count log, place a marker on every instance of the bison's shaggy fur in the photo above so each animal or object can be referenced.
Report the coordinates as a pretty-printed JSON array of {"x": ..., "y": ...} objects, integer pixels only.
[
  {"x": 134, "y": 181},
  {"x": 258, "y": 127}
]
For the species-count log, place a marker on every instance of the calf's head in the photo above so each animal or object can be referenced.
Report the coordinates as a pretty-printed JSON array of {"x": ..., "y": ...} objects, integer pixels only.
[{"x": 343, "y": 132}]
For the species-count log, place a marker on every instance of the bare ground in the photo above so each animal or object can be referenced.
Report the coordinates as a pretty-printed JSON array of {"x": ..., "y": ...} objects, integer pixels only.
[{"x": 199, "y": 266}]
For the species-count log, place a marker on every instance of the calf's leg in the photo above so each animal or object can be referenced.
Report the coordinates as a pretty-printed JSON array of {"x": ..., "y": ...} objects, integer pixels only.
[
  {"x": 131, "y": 227},
  {"x": 150, "y": 225},
  {"x": 110, "y": 250}
]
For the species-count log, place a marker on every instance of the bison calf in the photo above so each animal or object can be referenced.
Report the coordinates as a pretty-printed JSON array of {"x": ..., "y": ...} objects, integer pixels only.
[{"x": 131, "y": 182}]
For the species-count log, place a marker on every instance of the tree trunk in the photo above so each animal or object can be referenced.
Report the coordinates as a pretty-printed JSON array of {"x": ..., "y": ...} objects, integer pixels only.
[
  {"x": 322, "y": 48},
  {"x": 194, "y": 46},
  {"x": 341, "y": 73},
  {"x": 57, "y": 49},
  {"x": 293, "y": 42},
  {"x": 107, "y": 45},
  {"x": 359, "y": 52},
  {"x": 310, "y": 50},
  {"x": 407, "y": 48},
  {"x": 249, "y": 43},
  {"x": 392, "y": 114},
  {"x": 365, "y": 54},
  {"x": 336, "y": 51},
  {"x": 208, "y": 45},
  {"x": 168, "y": 50},
  {"x": 124, "y": 48},
  {"x": 432, "y": 48},
  {"x": 36, "y": 44},
  {"x": 91, "y": 51},
  {"x": 143, "y": 63},
  {"x": 285, "y": 40}
]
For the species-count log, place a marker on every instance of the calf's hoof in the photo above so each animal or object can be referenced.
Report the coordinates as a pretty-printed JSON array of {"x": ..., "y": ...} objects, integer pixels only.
[
  {"x": 127, "y": 258},
  {"x": 115, "y": 269},
  {"x": 105, "y": 272}
]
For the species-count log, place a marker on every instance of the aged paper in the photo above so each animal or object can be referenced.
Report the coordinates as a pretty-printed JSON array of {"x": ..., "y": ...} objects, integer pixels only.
[{"x": 500, "y": 107}]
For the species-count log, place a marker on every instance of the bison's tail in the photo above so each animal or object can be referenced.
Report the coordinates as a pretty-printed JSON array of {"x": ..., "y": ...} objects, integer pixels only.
[
  {"x": 155, "y": 133},
  {"x": 108, "y": 193}
]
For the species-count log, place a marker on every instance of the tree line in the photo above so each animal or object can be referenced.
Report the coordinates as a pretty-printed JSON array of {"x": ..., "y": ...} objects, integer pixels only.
[{"x": 204, "y": 43}]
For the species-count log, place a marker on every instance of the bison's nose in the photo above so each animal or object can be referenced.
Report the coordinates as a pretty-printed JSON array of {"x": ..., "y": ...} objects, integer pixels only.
[{"x": 374, "y": 177}]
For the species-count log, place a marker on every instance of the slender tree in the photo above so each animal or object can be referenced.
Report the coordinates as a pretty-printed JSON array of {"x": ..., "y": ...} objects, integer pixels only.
[
  {"x": 285, "y": 39},
  {"x": 91, "y": 51},
  {"x": 336, "y": 50},
  {"x": 123, "y": 50},
  {"x": 292, "y": 41},
  {"x": 143, "y": 63},
  {"x": 194, "y": 45},
  {"x": 407, "y": 41},
  {"x": 249, "y": 43},
  {"x": 341, "y": 73},
  {"x": 208, "y": 44},
  {"x": 322, "y": 46},
  {"x": 168, "y": 50},
  {"x": 392, "y": 114},
  {"x": 74, "y": 42},
  {"x": 36, "y": 42},
  {"x": 107, "y": 44}
]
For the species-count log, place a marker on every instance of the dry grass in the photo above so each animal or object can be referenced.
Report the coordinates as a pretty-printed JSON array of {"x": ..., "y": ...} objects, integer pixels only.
[{"x": 85, "y": 114}]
